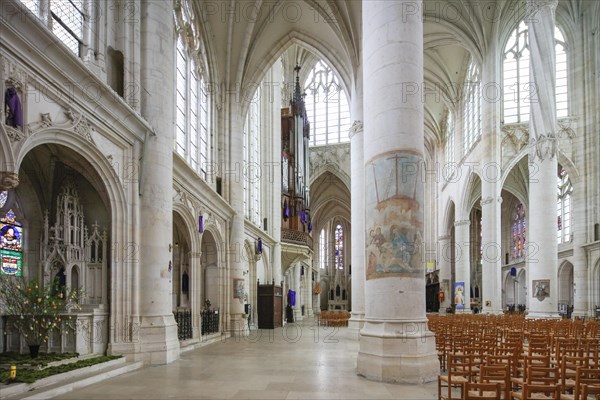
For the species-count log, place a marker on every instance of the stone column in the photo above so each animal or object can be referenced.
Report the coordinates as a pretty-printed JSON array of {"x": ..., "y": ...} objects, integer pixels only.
[
  {"x": 234, "y": 292},
  {"x": 444, "y": 262},
  {"x": 462, "y": 266},
  {"x": 158, "y": 331},
  {"x": 541, "y": 252},
  {"x": 275, "y": 172},
  {"x": 297, "y": 288},
  {"x": 491, "y": 259},
  {"x": 357, "y": 193},
  {"x": 308, "y": 300},
  {"x": 395, "y": 345}
]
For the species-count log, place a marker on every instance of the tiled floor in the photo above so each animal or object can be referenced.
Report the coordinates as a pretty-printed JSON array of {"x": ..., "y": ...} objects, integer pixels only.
[{"x": 296, "y": 362}]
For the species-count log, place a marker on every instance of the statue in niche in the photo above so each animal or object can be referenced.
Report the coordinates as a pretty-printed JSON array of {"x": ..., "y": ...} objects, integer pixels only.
[{"x": 12, "y": 107}]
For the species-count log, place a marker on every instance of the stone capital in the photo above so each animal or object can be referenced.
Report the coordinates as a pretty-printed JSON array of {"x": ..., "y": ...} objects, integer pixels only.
[
  {"x": 486, "y": 200},
  {"x": 544, "y": 147},
  {"x": 357, "y": 127},
  {"x": 462, "y": 222},
  {"x": 444, "y": 237},
  {"x": 8, "y": 180}
]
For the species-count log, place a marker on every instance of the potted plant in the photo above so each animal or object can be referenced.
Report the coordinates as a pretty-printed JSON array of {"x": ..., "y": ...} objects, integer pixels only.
[{"x": 35, "y": 310}]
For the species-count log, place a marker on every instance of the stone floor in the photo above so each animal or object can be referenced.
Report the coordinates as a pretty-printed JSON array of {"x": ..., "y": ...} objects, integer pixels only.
[{"x": 299, "y": 361}]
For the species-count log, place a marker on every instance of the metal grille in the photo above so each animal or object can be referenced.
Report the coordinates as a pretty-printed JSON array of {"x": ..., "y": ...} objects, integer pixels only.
[{"x": 67, "y": 22}]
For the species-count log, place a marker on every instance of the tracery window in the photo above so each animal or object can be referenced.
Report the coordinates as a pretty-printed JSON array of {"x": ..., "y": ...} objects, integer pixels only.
[
  {"x": 517, "y": 91},
  {"x": 339, "y": 247},
  {"x": 326, "y": 106},
  {"x": 471, "y": 108},
  {"x": 563, "y": 206},
  {"x": 519, "y": 232}
]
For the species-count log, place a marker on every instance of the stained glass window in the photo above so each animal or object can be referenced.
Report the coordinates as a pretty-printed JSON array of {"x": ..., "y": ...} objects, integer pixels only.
[
  {"x": 563, "y": 206},
  {"x": 11, "y": 245},
  {"x": 519, "y": 232},
  {"x": 3, "y": 198},
  {"x": 339, "y": 247}
]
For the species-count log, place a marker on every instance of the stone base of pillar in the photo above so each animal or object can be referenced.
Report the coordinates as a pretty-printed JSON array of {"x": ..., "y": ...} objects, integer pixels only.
[
  {"x": 355, "y": 324},
  {"x": 158, "y": 339},
  {"x": 127, "y": 349},
  {"x": 298, "y": 314},
  {"x": 542, "y": 314},
  {"x": 397, "y": 352},
  {"x": 238, "y": 326}
]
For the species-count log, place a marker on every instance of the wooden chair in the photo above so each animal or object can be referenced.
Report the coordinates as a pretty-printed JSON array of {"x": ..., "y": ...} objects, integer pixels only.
[
  {"x": 568, "y": 370},
  {"x": 460, "y": 371},
  {"x": 538, "y": 376},
  {"x": 537, "y": 392},
  {"x": 583, "y": 377},
  {"x": 529, "y": 361},
  {"x": 482, "y": 391},
  {"x": 590, "y": 390},
  {"x": 496, "y": 374}
]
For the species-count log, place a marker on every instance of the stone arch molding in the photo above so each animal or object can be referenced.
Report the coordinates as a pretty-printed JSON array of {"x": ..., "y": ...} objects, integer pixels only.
[
  {"x": 188, "y": 220},
  {"x": 334, "y": 159}
]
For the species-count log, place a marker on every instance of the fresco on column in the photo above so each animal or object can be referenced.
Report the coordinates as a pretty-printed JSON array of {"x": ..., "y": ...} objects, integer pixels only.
[{"x": 394, "y": 215}]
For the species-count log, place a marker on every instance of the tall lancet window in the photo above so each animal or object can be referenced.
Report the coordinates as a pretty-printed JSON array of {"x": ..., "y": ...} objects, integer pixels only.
[
  {"x": 326, "y": 106},
  {"x": 322, "y": 249},
  {"x": 519, "y": 232},
  {"x": 252, "y": 161},
  {"x": 518, "y": 92},
  {"x": 192, "y": 122},
  {"x": 339, "y": 247},
  {"x": 449, "y": 148},
  {"x": 563, "y": 206},
  {"x": 471, "y": 108}
]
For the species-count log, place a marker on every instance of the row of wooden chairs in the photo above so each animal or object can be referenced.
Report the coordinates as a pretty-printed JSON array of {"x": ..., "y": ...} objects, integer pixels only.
[
  {"x": 334, "y": 318},
  {"x": 463, "y": 372},
  {"x": 514, "y": 358}
]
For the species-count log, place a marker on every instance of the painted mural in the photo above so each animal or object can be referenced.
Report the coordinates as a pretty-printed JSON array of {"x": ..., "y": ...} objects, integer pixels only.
[{"x": 394, "y": 215}]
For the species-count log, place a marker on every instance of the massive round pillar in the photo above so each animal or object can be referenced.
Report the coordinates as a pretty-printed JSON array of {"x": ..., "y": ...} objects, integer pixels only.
[
  {"x": 357, "y": 238},
  {"x": 158, "y": 330},
  {"x": 395, "y": 345},
  {"x": 542, "y": 249}
]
